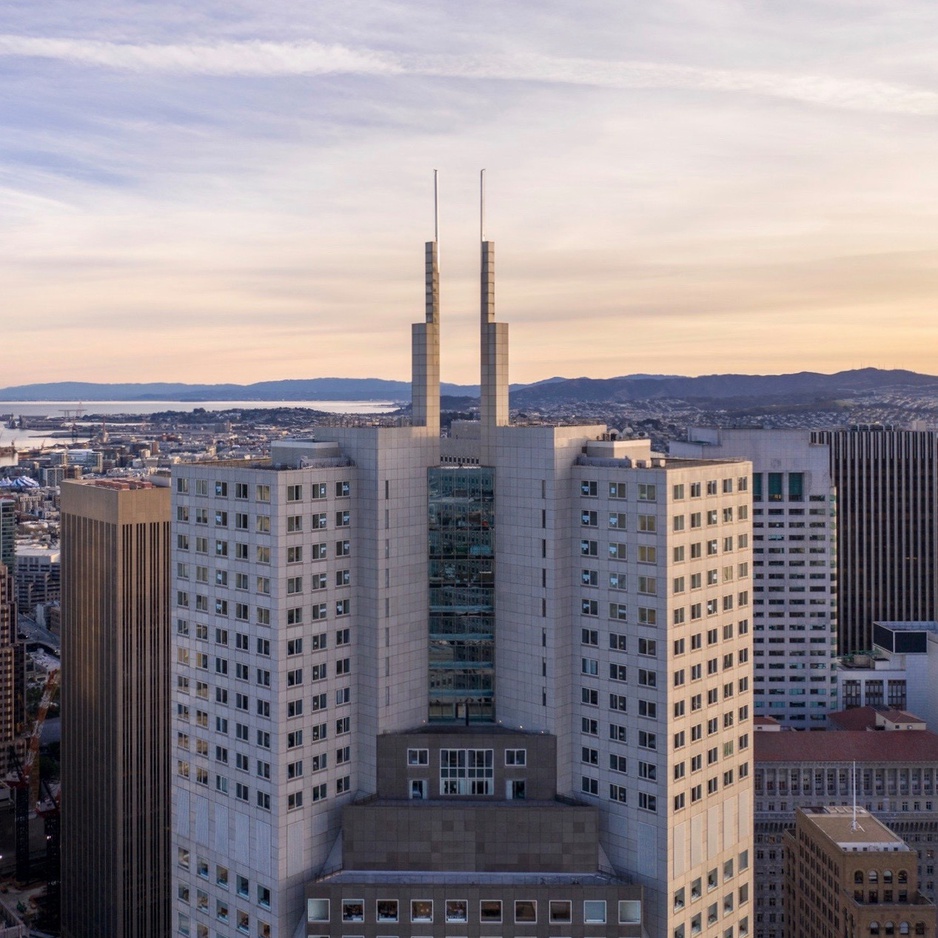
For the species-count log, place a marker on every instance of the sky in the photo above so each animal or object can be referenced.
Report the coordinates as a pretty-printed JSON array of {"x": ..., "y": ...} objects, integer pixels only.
[{"x": 240, "y": 191}]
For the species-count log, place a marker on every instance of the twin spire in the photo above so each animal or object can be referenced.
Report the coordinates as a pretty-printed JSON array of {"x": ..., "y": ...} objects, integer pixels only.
[{"x": 493, "y": 340}]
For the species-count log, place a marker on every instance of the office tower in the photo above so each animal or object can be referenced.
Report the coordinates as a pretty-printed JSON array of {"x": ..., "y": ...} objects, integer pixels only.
[
  {"x": 893, "y": 774},
  {"x": 794, "y": 567},
  {"x": 392, "y": 652},
  {"x": 12, "y": 672},
  {"x": 887, "y": 487},
  {"x": 115, "y": 709},
  {"x": 38, "y": 576},
  {"x": 12, "y": 650},
  {"x": 848, "y": 874},
  {"x": 8, "y": 533}
]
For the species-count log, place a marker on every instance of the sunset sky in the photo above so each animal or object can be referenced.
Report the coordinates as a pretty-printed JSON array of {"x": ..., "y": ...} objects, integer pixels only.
[{"x": 240, "y": 191}]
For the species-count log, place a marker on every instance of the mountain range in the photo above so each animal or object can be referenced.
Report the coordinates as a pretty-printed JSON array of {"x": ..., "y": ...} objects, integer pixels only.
[{"x": 550, "y": 392}]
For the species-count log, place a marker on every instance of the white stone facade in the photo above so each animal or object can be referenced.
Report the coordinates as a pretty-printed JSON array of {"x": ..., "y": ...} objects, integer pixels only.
[{"x": 794, "y": 567}]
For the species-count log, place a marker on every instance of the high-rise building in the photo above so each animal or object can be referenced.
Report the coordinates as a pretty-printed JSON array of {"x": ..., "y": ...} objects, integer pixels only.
[
  {"x": 849, "y": 875},
  {"x": 887, "y": 498},
  {"x": 115, "y": 709},
  {"x": 38, "y": 576},
  {"x": 12, "y": 650},
  {"x": 390, "y": 649},
  {"x": 794, "y": 567},
  {"x": 8, "y": 533},
  {"x": 12, "y": 673}
]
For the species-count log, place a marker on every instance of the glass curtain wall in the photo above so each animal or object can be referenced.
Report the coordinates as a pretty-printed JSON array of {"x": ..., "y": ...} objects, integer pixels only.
[{"x": 462, "y": 595}]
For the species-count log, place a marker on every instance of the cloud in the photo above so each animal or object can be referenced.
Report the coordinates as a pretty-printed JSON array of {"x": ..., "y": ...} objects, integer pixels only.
[{"x": 308, "y": 58}]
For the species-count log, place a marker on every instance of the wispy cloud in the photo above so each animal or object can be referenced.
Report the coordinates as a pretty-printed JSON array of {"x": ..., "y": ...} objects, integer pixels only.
[{"x": 276, "y": 59}]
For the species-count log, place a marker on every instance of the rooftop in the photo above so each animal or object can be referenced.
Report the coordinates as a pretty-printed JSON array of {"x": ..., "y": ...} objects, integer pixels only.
[
  {"x": 854, "y": 829},
  {"x": 471, "y": 878},
  {"x": 870, "y": 718},
  {"x": 846, "y": 746}
]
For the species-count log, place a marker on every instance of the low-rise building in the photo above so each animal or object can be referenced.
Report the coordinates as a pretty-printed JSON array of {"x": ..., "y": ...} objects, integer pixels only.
[
  {"x": 897, "y": 780},
  {"x": 849, "y": 875}
]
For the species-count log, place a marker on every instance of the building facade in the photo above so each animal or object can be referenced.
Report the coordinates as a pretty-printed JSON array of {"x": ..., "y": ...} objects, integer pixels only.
[
  {"x": 848, "y": 874},
  {"x": 794, "y": 567},
  {"x": 12, "y": 675},
  {"x": 373, "y": 588},
  {"x": 895, "y": 777},
  {"x": 901, "y": 671},
  {"x": 887, "y": 487},
  {"x": 8, "y": 533},
  {"x": 38, "y": 576},
  {"x": 115, "y": 709}
]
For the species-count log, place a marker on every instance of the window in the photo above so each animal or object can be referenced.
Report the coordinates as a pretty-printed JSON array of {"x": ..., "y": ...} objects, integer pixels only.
[
  {"x": 560, "y": 911},
  {"x": 421, "y": 910},
  {"x": 456, "y": 910},
  {"x": 647, "y": 802},
  {"x": 386, "y": 910},
  {"x": 647, "y": 740},
  {"x": 525, "y": 910},
  {"x": 594, "y": 911},
  {"x": 467, "y": 772}
]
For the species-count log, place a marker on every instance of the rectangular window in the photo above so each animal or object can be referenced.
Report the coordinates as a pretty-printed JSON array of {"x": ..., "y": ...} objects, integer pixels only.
[{"x": 467, "y": 772}]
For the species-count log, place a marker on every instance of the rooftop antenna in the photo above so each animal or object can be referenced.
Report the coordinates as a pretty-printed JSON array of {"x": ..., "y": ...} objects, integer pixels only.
[
  {"x": 481, "y": 204},
  {"x": 436, "y": 206},
  {"x": 853, "y": 826}
]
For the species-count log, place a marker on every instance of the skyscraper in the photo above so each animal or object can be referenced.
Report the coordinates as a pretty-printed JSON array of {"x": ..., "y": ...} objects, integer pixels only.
[
  {"x": 12, "y": 671},
  {"x": 887, "y": 494},
  {"x": 794, "y": 566},
  {"x": 8, "y": 533},
  {"x": 543, "y": 625},
  {"x": 115, "y": 709}
]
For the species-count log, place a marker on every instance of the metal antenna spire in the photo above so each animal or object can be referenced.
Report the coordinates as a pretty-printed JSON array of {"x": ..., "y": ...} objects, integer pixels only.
[
  {"x": 482, "y": 205},
  {"x": 436, "y": 206}
]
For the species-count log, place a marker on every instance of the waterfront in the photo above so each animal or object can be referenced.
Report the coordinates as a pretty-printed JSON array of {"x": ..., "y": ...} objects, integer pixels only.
[{"x": 27, "y": 438}]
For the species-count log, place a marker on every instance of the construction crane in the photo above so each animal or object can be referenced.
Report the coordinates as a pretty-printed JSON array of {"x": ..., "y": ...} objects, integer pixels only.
[{"x": 26, "y": 788}]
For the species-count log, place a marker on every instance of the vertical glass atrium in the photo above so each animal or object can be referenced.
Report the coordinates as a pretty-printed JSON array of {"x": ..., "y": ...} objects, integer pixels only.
[{"x": 462, "y": 595}]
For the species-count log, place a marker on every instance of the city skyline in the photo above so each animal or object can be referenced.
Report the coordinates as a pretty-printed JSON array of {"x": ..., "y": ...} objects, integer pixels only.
[{"x": 668, "y": 184}]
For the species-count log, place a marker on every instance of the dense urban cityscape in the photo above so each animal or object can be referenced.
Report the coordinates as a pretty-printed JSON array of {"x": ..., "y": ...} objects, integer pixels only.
[{"x": 314, "y": 667}]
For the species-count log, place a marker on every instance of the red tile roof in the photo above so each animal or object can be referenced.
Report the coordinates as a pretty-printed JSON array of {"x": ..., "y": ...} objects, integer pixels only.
[
  {"x": 857, "y": 718},
  {"x": 847, "y": 746}
]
